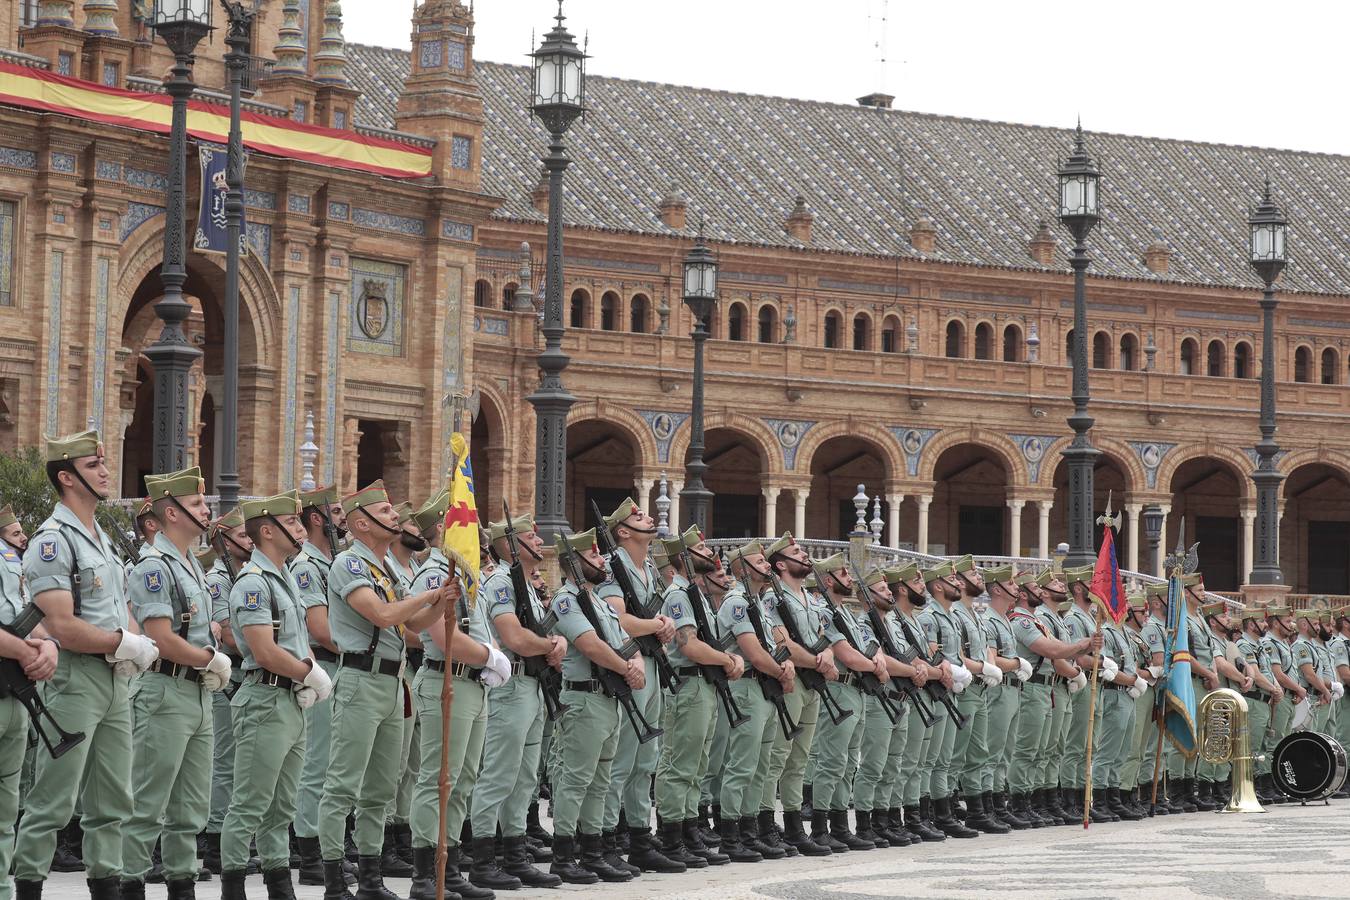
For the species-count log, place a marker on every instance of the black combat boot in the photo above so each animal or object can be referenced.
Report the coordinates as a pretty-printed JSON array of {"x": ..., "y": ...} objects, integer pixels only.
[
  {"x": 613, "y": 851},
  {"x": 808, "y": 809},
  {"x": 646, "y": 857},
  {"x": 535, "y": 831},
  {"x": 950, "y": 825},
  {"x": 311, "y": 861},
  {"x": 1100, "y": 812},
  {"x": 369, "y": 881},
  {"x": 771, "y": 834},
  {"x": 103, "y": 888},
  {"x": 390, "y": 863},
  {"x": 866, "y": 830},
  {"x": 839, "y": 830},
  {"x": 516, "y": 862},
  {"x": 1205, "y": 796},
  {"x": 186, "y": 889},
  {"x": 707, "y": 824},
  {"x": 485, "y": 873},
  {"x": 28, "y": 890},
  {"x": 1186, "y": 795},
  {"x": 1115, "y": 801},
  {"x": 820, "y": 832},
  {"x": 455, "y": 880},
  {"x": 210, "y": 853},
  {"x": 693, "y": 841},
  {"x": 424, "y": 874},
  {"x": 403, "y": 842},
  {"x": 232, "y": 885},
  {"x": 565, "y": 862},
  {"x": 986, "y": 818},
  {"x": 1001, "y": 811},
  {"x": 334, "y": 881},
  {"x": 732, "y": 846},
  {"x": 795, "y": 836},
  {"x": 925, "y": 823},
  {"x": 278, "y": 883},
  {"x": 69, "y": 856},
  {"x": 751, "y": 839},
  {"x": 593, "y": 859},
  {"x": 674, "y": 846},
  {"x": 889, "y": 823},
  {"x": 131, "y": 889}
]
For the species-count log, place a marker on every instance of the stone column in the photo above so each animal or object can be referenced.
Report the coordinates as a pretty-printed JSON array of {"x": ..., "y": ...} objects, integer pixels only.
[
  {"x": 644, "y": 486},
  {"x": 924, "y": 501},
  {"x": 673, "y": 491},
  {"x": 893, "y": 520},
  {"x": 1043, "y": 508},
  {"x": 1132, "y": 514},
  {"x": 770, "y": 509},
  {"x": 1159, "y": 569},
  {"x": 1248, "y": 513},
  {"x": 1015, "y": 527},
  {"x": 799, "y": 520}
]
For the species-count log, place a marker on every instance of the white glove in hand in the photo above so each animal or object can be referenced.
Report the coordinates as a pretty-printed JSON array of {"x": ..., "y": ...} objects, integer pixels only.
[
  {"x": 991, "y": 674},
  {"x": 1077, "y": 682},
  {"x": 306, "y": 696},
  {"x": 135, "y": 649},
  {"x": 497, "y": 669},
  {"x": 1109, "y": 669},
  {"x": 1023, "y": 669},
  {"x": 1337, "y": 690},
  {"x": 961, "y": 678},
  {"x": 1137, "y": 689},
  {"x": 318, "y": 681},
  {"x": 1155, "y": 671},
  {"x": 216, "y": 673}
]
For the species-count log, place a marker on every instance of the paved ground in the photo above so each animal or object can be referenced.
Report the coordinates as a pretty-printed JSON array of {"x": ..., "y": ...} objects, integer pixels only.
[{"x": 1289, "y": 852}]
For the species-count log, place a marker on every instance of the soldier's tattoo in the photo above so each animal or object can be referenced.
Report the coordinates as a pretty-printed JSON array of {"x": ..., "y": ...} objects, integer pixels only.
[{"x": 683, "y": 635}]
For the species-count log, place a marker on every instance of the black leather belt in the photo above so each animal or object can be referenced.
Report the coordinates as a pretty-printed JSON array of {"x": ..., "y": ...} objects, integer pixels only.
[
  {"x": 457, "y": 670},
  {"x": 323, "y": 654},
  {"x": 851, "y": 679},
  {"x": 1111, "y": 685},
  {"x": 271, "y": 679},
  {"x": 175, "y": 670},
  {"x": 367, "y": 662},
  {"x": 1039, "y": 678},
  {"x": 416, "y": 656},
  {"x": 689, "y": 671},
  {"x": 588, "y": 687},
  {"x": 1260, "y": 696}
]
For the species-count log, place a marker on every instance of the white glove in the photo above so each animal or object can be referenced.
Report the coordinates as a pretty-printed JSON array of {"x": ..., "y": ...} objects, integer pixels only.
[
  {"x": 216, "y": 673},
  {"x": 497, "y": 669},
  {"x": 306, "y": 696},
  {"x": 318, "y": 681},
  {"x": 991, "y": 674},
  {"x": 961, "y": 678},
  {"x": 137, "y": 651},
  {"x": 1337, "y": 690},
  {"x": 1137, "y": 689},
  {"x": 1109, "y": 669},
  {"x": 1155, "y": 671},
  {"x": 1077, "y": 682},
  {"x": 1023, "y": 669}
]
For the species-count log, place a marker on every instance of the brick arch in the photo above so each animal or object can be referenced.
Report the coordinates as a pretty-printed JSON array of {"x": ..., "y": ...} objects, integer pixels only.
[
  {"x": 1291, "y": 462},
  {"x": 754, "y": 430},
  {"x": 996, "y": 443},
  {"x": 493, "y": 407},
  {"x": 1179, "y": 456},
  {"x": 626, "y": 421},
  {"x": 1121, "y": 454},
  {"x": 886, "y": 444}
]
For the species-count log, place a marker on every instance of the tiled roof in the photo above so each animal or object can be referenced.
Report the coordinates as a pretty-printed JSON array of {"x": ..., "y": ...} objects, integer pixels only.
[{"x": 868, "y": 174}]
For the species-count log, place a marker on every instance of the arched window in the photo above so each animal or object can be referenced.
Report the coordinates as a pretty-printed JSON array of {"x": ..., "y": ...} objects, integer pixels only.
[
  {"x": 890, "y": 335},
  {"x": 862, "y": 333},
  {"x": 956, "y": 339},
  {"x": 638, "y": 314},
  {"x": 1242, "y": 360},
  {"x": 1129, "y": 352},
  {"x": 768, "y": 324},
  {"x": 509, "y": 294},
  {"x": 1012, "y": 344},
  {"x": 1101, "y": 350},
  {"x": 1302, "y": 363},
  {"x": 1189, "y": 351},
  {"x": 1068, "y": 348},
  {"x": 1216, "y": 355},
  {"x": 833, "y": 323},
  {"x": 736, "y": 322},
  {"x": 984, "y": 341},
  {"x": 1329, "y": 366},
  {"x": 481, "y": 291},
  {"x": 578, "y": 312},
  {"x": 609, "y": 311}
]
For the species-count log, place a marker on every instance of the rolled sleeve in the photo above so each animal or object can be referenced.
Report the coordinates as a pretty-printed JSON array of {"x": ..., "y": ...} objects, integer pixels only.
[
  {"x": 47, "y": 574},
  {"x": 250, "y": 602},
  {"x": 572, "y": 622},
  {"x": 147, "y": 603}
]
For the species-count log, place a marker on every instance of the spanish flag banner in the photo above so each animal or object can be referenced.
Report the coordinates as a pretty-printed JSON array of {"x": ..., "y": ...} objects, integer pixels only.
[
  {"x": 48, "y": 92},
  {"x": 461, "y": 519}
]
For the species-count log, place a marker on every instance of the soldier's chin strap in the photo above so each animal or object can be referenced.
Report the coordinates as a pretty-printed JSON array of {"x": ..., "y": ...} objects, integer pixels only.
[
  {"x": 201, "y": 526},
  {"x": 714, "y": 562},
  {"x": 915, "y": 598},
  {"x": 294, "y": 543},
  {"x": 372, "y": 517},
  {"x": 635, "y": 529},
  {"x": 98, "y": 498}
]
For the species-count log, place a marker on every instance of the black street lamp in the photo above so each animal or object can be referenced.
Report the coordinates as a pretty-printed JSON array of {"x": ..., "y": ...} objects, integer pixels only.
[
  {"x": 1078, "y": 182},
  {"x": 1153, "y": 526},
  {"x": 700, "y": 295},
  {"x": 182, "y": 24},
  {"x": 240, "y": 14},
  {"x": 559, "y": 98},
  {"x": 1268, "y": 258}
]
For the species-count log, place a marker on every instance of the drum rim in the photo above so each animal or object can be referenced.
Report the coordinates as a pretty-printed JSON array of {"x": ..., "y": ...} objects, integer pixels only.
[{"x": 1336, "y": 773}]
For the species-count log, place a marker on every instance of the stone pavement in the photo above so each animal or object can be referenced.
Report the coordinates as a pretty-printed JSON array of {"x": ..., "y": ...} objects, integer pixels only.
[{"x": 1288, "y": 852}]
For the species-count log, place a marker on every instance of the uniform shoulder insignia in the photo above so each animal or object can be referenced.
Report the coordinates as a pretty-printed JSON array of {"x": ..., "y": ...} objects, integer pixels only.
[
  {"x": 738, "y": 612},
  {"x": 252, "y": 599},
  {"x": 353, "y": 565},
  {"x": 47, "y": 550},
  {"x": 433, "y": 581},
  {"x": 303, "y": 579},
  {"x": 677, "y": 611},
  {"x": 501, "y": 596},
  {"x": 214, "y": 590},
  {"x": 564, "y": 605},
  {"x": 153, "y": 583}
]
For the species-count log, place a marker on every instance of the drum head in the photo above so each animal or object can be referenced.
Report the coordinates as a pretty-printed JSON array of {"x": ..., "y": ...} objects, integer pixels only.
[
  {"x": 1302, "y": 715},
  {"x": 1308, "y": 766}
]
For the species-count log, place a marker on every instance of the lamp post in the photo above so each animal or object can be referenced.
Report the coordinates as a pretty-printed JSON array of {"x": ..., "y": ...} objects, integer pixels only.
[
  {"x": 1078, "y": 182},
  {"x": 238, "y": 39},
  {"x": 700, "y": 295},
  {"x": 1268, "y": 257},
  {"x": 1153, "y": 526},
  {"x": 182, "y": 24},
  {"x": 559, "y": 98}
]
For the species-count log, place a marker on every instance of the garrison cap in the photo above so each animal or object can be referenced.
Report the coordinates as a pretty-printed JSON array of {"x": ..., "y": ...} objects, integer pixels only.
[
  {"x": 1081, "y": 574},
  {"x": 1192, "y": 579},
  {"x": 232, "y": 519},
  {"x": 206, "y": 557},
  {"x": 1156, "y": 589},
  {"x": 1137, "y": 600},
  {"x": 1310, "y": 614},
  {"x": 185, "y": 483},
  {"x": 145, "y": 508},
  {"x": 1046, "y": 577},
  {"x": 749, "y": 549},
  {"x": 1026, "y": 579},
  {"x": 1253, "y": 614},
  {"x": 673, "y": 547},
  {"x": 778, "y": 546},
  {"x": 811, "y": 582},
  {"x": 874, "y": 575},
  {"x": 579, "y": 542},
  {"x": 7, "y": 517},
  {"x": 964, "y": 564},
  {"x": 319, "y": 497},
  {"x": 284, "y": 504},
  {"x": 405, "y": 512},
  {"x": 829, "y": 564},
  {"x": 998, "y": 574},
  {"x": 497, "y": 530},
  {"x": 941, "y": 570},
  {"x": 1277, "y": 611},
  {"x": 432, "y": 512},
  {"x": 74, "y": 446},
  {"x": 625, "y": 509},
  {"x": 1063, "y": 606},
  {"x": 660, "y": 558},
  {"x": 367, "y": 496},
  {"x": 1213, "y": 609},
  {"x": 902, "y": 573}
]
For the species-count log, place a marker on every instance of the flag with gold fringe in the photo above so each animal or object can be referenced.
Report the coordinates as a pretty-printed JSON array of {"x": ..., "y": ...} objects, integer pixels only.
[
  {"x": 461, "y": 519},
  {"x": 1178, "y": 695}
]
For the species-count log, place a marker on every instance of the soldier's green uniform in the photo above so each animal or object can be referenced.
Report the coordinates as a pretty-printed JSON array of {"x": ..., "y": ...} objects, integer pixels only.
[
  {"x": 1279, "y": 653},
  {"x": 1322, "y": 665},
  {"x": 940, "y": 628},
  {"x": 1003, "y": 703},
  {"x": 269, "y": 726},
  {"x": 1078, "y": 625},
  {"x": 830, "y": 790},
  {"x": 397, "y": 815},
  {"x": 883, "y": 742},
  {"x": 1116, "y": 722},
  {"x": 368, "y": 700},
  {"x": 1339, "y": 647},
  {"x": 1198, "y": 635},
  {"x": 1134, "y": 773},
  {"x": 787, "y": 762},
  {"x": 908, "y": 785},
  {"x": 84, "y": 695},
  {"x": 1050, "y": 756},
  {"x": 1034, "y": 708},
  {"x": 1257, "y": 657},
  {"x": 970, "y": 748},
  {"x": 1302, "y": 650},
  {"x": 310, "y": 569},
  {"x": 1155, "y": 638},
  {"x": 170, "y": 709},
  {"x": 13, "y": 716},
  {"x": 218, "y": 585}
]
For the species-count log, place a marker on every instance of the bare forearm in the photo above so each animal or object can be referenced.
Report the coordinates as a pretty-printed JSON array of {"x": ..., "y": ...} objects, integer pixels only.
[
  {"x": 638, "y": 627},
  {"x": 465, "y": 649},
  {"x": 519, "y": 639},
  {"x": 601, "y": 653}
]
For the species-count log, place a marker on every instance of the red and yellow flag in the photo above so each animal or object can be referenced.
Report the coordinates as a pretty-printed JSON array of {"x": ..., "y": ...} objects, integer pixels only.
[{"x": 461, "y": 519}]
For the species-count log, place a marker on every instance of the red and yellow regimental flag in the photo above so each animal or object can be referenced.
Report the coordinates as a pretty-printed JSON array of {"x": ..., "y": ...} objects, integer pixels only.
[{"x": 461, "y": 519}]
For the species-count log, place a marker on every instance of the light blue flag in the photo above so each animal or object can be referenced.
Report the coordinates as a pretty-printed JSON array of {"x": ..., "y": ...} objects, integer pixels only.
[{"x": 1179, "y": 696}]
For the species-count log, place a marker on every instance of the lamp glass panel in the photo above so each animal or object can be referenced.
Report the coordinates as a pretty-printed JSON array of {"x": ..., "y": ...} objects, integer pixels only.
[
  {"x": 1071, "y": 195},
  {"x": 571, "y": 87},
  {"x": 546, "y": 82},
  {"x": 1263, "y": 240},
  {"x": 1090, "y": 195},
  {"x": 691, "y": 280}
]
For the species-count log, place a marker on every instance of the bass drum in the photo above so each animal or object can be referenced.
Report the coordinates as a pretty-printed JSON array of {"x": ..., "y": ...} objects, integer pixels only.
[{"x": 1309, "y": 766}]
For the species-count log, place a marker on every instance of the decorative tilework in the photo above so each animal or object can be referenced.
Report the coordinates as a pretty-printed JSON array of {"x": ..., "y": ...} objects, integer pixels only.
[
  {"x": 288, "y": 422},
  {"x": 1151, "y": 454},
  {"x": 18, "y": 159},
  {"x": 455, "y": 55},
  {"x": 59, "y": 215},
  {"x": 663, "y": 425},
  {"x": 260, "y": 239},
  {"x": 431, "y": 53},
  {"x": 492, "y": 325},
  {"x": 339, "y": 118},
  {"x": 108, "y": 170},
  {"x": 458, "y": 29},
  {"x": 1217, "y": 316},
  {"x": 456, "y": 231},
  {"x": 461, "y": 152},
  {"x": 298, "y": 203},
  {"x": 63, "y": 162},
  {"x": 9, "y": 235},
  {"x": 338, "y": 210},
  {"x": 335, "y": 260},
  {"x": 297, "y": 255},
  {"x": 102, "y": 279},
  {"x": 150, "y": 181},
  {"x": 105, "y": 223},
  {"x": 986, "y": 297},
  {"x": 135, "y": 216},
  {"x": 1033, "y": 451},
  {"x": 54, "y": 343},
  {"x": 753, "y": 277},
  {"x": 790, "y": 434},
  {"x": 621, "y": 265},
  {"x": 65, "y": 62},
  {"x": 1251, "y": 454},
  {"x": 330, "y": 430},
  {"x": 300, "y": 112},
  {"x": 370, "y": 218},
  {"x": 376, "y": 327},
  {"x": 260, "y": 199},
  {"x": 863, "y": 287},
  {"x": 110, "y": 74},
  {"x": 912, "y": 441}
]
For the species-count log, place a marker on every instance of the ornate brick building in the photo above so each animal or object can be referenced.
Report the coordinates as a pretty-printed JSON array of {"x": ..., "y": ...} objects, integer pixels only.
[{"x": 895, "y": 300}]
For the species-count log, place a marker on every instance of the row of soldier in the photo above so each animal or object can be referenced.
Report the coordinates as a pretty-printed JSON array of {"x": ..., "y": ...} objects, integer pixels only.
[{"x": 301, "y": 694}]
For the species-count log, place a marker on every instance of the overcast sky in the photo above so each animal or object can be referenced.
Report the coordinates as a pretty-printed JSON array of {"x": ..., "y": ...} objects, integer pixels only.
[{"x": 1231, "y": 71}]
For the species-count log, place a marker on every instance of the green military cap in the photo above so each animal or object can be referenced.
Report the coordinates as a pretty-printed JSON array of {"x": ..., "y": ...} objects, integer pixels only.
[
  {"x": 1213, "y": 609},
  {"x": 405, "y": 512},
  {"x": 232, "y": 519},
  {"x": 7, "y": 517},
  {"x": 74, "y": 446},
  {"x": 1027, "y": 579},
  {"x": 1046, "y": 577},
  {"x": 1311, "y": 614},
  {"x": 902, "y": 573},
  {"x": 367, "y": 496},
  {"x": 876, "y": 575},
  {"x": 941, "y": 570},
  {"x": 745, "y": 550},
  {"x": 145, "y": 507},
  {"x": 811, "y": 583},
  {"x": 1277, "y": 611},
  {"x": 579, "y": 542},
  {"x": 1078, "y": 573},
  {"x": 830, "y": 563},
  {"x": 1191, "y": 580},
  {"x": 997, "y": 574},
  {"x": 184, "y": 483},
  {"x": 660, "y": 558},
  {"x": 284, "y": 504},
  {"x": 206, "y": 557},
  {"x": 625, "y": 509},
  {"x": 1137, "y": 600},
  {"x": 1253, "y": 614},
  {"x": 778, "y": 546},
  {"x": 673, "y": 547},
  {"x": 1156, "y": 589},
  {"x": 320, "y": 497},
  {"x": 432, "y": 513},
  {"x": 964, "y": 564},
  {"x": 497, "y": 530},
  {"x": 1064, "y": 606}
]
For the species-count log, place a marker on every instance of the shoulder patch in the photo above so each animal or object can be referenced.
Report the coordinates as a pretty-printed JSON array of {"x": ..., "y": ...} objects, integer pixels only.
[
  {"x": 501, "y": 596},
  {"x": 564, "y": 605},
  {"x": 303, "y": 579},
  {"x": 738, "y": 612},
  {"x": 353, "y": 565},
  {"x": 677, "y": 610},
  {"x": 214, "y": 590},
  {"x": 47, "y": 550},
  {"x": 252, "y": 599},
  {"x": 153, "y": 582},
  {"x": 433, "y": 582}
]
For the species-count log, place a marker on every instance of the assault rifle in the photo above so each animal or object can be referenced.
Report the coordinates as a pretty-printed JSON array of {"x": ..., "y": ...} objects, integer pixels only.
[
  {"x": 770, "y": 686},
  {"x": 649, "y": 643},
  {"x": 713, "y": 674},
  {"x": 812, "y": 679},
  {"x": 905, "y": 688},
  {"x": 537, "y": 667},
  {"x": 935, "y": 689},
  {"x": 612, "y": 682},
  {"x": 15, "y": 683}
]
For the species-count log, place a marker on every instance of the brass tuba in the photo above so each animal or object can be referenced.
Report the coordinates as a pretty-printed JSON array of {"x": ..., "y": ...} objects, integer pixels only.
[{"x": 1225, "y": 738}]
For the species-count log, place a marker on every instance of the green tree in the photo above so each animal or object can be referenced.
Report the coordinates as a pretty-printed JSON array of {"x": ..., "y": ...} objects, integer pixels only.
[{"x": 24, "y": 486}]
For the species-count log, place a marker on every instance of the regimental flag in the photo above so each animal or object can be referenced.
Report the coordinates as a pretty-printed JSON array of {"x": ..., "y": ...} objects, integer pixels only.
[
  {"x": 1106, "y": 587},
  {"x": 461, "y": 519},
  {"x": 1178, "y": 697},
  {"x": 210, "y": 236}
]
